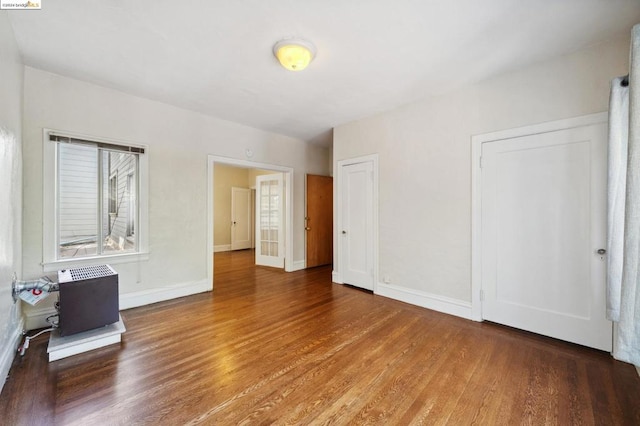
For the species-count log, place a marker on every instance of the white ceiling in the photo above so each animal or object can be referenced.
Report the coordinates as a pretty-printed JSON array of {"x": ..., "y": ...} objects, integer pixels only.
[{"x": 215, "y": 57}]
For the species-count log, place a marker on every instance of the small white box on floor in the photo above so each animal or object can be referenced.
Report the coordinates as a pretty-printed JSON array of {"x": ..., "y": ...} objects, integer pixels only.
[{"x": 62, "y": 347}]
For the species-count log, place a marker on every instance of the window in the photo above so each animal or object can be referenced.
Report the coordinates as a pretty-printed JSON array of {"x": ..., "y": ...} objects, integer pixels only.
[
  {"x": 95, "y": 206},
  {"x": 113, "y": 195},
  {"x": 131, "y": 205}
]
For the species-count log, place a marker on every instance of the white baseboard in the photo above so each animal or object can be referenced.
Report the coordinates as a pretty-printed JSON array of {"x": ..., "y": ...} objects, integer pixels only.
[
  {"x": 222, "y": 247},
  {"x": 299, "y": 265},
  {"x": 638, "y": 370},
  {"x": 8, "y": 352},
  {"x": 336, "y": 278},
  {"x": 154, "y": 295},
  {"x": 37, "y": 318},
  {"x": 444, "y": 304}
]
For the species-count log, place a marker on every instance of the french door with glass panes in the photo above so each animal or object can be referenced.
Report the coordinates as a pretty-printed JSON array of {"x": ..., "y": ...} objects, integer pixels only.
[{"x": 269, "y": 220}]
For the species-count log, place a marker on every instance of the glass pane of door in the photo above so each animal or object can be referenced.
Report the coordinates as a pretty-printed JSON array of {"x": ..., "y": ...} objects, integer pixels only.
[
  {"x": 269, "y": 217},
  {"x": 269, "y": 194}
]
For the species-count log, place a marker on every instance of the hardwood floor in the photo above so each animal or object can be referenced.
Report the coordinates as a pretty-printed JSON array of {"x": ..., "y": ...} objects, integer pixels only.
[{"x": 291, "y": 348}]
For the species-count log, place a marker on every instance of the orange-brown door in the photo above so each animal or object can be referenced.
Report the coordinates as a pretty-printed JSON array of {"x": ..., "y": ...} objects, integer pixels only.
[{"x": 319, "y": 220}]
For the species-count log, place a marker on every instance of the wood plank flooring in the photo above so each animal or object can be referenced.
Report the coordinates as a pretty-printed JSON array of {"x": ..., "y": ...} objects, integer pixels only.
[{"x": 268, "y": 347}]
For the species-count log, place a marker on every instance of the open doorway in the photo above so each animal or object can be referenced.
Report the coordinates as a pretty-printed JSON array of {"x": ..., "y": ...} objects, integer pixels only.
[
  {"x": 242, "y": 175},
  {"x": 234, "y": 198}
]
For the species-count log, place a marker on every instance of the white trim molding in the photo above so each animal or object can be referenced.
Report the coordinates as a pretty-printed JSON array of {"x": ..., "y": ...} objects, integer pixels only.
[
  {"x": 336, "y": 277},
  {"x": 111, "y": 259},
  {"x": 37, "y": 318},
  {"x": 221, "y": 247},
  {"x": 299, "y": 265},
  {"x": 8, "y": 352},
  {"x": 160, "y": 294},
  {"x": 476, "y": 188},
  {"x": 447, "y": 305}
]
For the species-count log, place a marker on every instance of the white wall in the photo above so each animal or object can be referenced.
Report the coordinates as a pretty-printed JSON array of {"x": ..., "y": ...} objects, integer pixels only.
[
  {"x": 254, "y": 173},
  {"x": 179, "y": 142},
  {"x": 425, "y": 154},
  {"x": 224, "y": 178},
  {"x": 11, "y": 74}
]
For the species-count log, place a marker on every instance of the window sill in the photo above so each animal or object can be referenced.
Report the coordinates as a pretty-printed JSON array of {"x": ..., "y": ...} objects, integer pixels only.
[{"x": 111, "y": 259}]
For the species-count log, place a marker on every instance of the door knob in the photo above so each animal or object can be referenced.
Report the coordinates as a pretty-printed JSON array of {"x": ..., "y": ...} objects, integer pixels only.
[
  {"x": 601, "y": 251},
  {"x": 307, "y": 229}
]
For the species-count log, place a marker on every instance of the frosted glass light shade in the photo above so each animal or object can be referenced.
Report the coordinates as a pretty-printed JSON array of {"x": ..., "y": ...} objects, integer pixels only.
[{"x": 294, "y": 55}]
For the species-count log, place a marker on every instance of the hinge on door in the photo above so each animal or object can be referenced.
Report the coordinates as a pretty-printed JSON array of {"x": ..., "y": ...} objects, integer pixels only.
[{"x": 481, "y": 295}]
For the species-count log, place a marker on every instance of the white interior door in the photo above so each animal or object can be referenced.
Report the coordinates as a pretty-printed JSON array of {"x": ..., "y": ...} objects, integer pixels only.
[
  {"x": 240, "y": 218},
  {"x": 269, "y": 220},
  {"x": 356, "y": 235},
  {"x": 543, "y": 221}
]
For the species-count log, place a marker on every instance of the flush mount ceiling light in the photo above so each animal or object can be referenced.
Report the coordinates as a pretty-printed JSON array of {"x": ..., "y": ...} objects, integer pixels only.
[{"x": 294, "y": 54}]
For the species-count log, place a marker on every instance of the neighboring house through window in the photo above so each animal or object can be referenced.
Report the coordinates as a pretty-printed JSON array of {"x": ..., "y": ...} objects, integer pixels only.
[
  {"x": 113, "y": 196},
  {"x": 96, "y": 210},
  {"x": 131, "y": 206}
]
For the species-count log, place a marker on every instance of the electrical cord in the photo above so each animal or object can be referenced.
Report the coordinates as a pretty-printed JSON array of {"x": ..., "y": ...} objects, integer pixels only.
[
  {"x": 23, "y": 348},
  {"x": 54, "y": 324}
]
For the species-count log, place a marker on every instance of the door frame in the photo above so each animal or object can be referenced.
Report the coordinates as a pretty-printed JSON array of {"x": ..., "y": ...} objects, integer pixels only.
[
  {"x": 336, "y": 275},
  {"x": 288, "y": 205},
  {"x": 476, "y": 188}
]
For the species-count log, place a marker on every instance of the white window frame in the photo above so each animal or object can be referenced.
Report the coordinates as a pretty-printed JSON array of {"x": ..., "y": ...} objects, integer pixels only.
[{"x": 50, "y": 261}]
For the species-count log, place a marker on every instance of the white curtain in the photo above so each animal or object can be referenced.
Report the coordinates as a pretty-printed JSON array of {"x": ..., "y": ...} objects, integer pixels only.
[{"x": 627, "y": 347}]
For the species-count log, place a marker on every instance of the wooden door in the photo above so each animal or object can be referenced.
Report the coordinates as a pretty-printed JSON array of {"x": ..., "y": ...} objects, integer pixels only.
[
  {"x": 240, "y": 218},
  {"x": 356, "y": 235},
  {"x": 319, "y": 220},
  {"x": 543, "y": 222}
]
